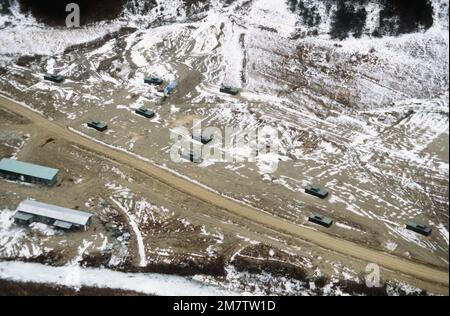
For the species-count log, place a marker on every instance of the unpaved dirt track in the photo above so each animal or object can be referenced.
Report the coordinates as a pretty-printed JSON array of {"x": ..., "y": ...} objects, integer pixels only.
[{"x": 315, "y": 237}]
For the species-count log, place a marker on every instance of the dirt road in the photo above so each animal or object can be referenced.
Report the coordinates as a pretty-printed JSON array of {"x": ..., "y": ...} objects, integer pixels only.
[{"x": 321, "y": 239}]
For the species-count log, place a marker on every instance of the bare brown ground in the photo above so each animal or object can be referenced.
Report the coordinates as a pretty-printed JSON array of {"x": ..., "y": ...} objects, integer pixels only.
[{"x": 317, "y": 238}]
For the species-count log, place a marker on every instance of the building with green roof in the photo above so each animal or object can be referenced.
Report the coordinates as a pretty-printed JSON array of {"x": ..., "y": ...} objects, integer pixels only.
[{"x": 27, "y": 172}]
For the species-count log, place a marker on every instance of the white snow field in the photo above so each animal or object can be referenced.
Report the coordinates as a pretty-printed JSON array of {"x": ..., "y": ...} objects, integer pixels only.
[{"x": 76, "y": 277}]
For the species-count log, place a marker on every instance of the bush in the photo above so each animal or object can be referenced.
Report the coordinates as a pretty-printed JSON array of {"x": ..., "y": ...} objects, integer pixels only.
[
  {"x": 347, "y": 19},
  {"x": 309, "y": 14},
  {"x": 53, "y": 12},
  {"x": 405, "y": 16}
]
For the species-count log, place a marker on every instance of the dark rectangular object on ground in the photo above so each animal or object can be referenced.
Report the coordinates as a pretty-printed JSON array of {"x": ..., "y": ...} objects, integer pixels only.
[
  {"x": 321, "y": 220},
  {"x": 229, "y": 90},
  {"x": 54, "y": 78},
  {"x": 145, "y": 112},
  {"x": 99, "y": 126},
  {"x": 316, "y": 191},
  {"x": 419, "y": 228},
  {"x": 153, "y": 80}
]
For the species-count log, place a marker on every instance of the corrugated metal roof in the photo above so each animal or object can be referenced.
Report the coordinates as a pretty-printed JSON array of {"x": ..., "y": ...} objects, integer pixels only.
[
  {"x": 62, "y": 224},
  {"x": 54, "y": 212},
  {"x": 23, "y": 216},
  {"x": 28, "y": 169}
]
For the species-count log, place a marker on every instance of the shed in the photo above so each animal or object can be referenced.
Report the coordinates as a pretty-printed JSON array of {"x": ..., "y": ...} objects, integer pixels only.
[
  {"x": 62, "y": 224},
  {"x": 30, "y": 211},
  {"x": 23, "y": 218},
  {"x": 27, "y": 172}
]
